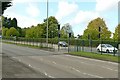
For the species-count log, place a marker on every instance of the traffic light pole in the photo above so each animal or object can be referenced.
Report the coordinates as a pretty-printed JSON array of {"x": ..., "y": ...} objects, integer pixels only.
[
  {"x": 58, "y": 40},
  {"x": 69, "y": 42},
  {"x": 58, "y": 36},
  {"x": 101, "y": 45},
  {"x": 114, "y": 45},
  {"x": 91, "y": 44},
  {"x": 100, "y": 38}
]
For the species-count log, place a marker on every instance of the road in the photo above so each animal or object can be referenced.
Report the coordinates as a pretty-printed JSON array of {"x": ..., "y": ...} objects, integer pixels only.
[{"x": 42, "y": 63}]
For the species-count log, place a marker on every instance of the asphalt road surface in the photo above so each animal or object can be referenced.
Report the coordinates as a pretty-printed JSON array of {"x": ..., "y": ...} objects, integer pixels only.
[
  {"x": 0, "y": 59},
  {"x": 28, "y": 62},
  {"x": 14, "y": 69}
]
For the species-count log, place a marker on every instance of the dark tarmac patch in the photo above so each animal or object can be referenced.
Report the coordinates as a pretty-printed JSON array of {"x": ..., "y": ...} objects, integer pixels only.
[{"x": 15, "y": 69}]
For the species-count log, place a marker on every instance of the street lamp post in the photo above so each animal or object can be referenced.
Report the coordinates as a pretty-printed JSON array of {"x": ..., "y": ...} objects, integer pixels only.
[
  {"x": 0, "y": 18},
  {"x": 47, "y": 25}
]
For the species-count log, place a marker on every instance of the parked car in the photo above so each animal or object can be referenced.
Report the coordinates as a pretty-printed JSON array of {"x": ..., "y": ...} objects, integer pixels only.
[
  {"x": 106, "y": 48},
  {"x": 62, "y": 43}
]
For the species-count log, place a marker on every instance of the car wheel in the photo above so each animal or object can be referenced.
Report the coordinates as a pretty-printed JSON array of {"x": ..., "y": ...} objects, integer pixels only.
[
  {"x": 98, "y": 50},
  {"x": 60, "y": 45},
  {"x": 107, "y": 51}
]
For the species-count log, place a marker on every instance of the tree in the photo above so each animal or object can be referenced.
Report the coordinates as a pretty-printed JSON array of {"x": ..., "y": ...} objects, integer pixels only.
[
  {"x": 12, "y": 32},
  {"x": 14, "y": 22},
  {"x": 63, "y": 33},
  {"x": 5, "y": 5},
  {"x": 52, "y": 27},
  {"x": 23, "y": 32},
  {"x": 66, "y": 29},
  {"x": 79, "y": 36},
  {"x": 93, "y": 30},
  {"x": 34, "y": 32},
  {"x": 116, "y": 35},
  {"x": 4, "y": 22},
  {"x": 39, "y": 31},
  {"x": 4, "y": 30},
  {"x": 8, "y": 22},
  {"x": 19, "y": 30},
  {"x": 30, "y": 32}
]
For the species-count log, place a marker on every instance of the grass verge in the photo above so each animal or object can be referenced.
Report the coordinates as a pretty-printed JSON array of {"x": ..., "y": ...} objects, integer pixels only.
[{"x": 105, "y": 57}]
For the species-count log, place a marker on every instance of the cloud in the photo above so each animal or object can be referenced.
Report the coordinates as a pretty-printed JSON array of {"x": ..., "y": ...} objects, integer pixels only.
[
  {"x": 65, "y": 9},
  {"x": 23, "y": 21},
  {"x": 84, "y": 16},
  {"x": 104, "y": 5},
  {"x": 33, "y": 10}
]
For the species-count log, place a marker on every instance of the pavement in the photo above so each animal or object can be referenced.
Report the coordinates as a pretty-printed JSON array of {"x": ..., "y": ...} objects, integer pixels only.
[{"x": 40, "y": 63}]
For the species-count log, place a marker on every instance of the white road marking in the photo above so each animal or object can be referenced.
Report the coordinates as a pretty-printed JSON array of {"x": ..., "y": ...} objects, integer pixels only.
[
  {"x": 29, "y": 65},
  {"x": 48, "y": 75},
  {"x": 54, "y": 62},
  {"x": 13, "y": 57},
  {"x": 109, "y": 68},
  {"x": 100, "y": 66},
  {"x": 86, "y": 63},
  {"x": 95, "y": 64},
  {"x": 51, "y": 76},
  {"x": 93, "y": 59},
  {"x": 19, "y": 60},
  {"x": 41, "y": 59},
  {"x": 93, "y": 75},
  {"x": 77, "y": 70},
  {"x": 86, "y": 73}
]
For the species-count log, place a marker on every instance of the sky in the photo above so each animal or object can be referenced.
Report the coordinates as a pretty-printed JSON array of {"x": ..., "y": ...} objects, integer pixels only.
[{"x": 78, "y": 13}]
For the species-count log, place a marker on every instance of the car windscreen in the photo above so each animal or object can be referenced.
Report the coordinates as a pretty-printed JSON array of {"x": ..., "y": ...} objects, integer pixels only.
[
  {"x": 109, "y": 45},
  {"x": 64, "y": 42}
]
